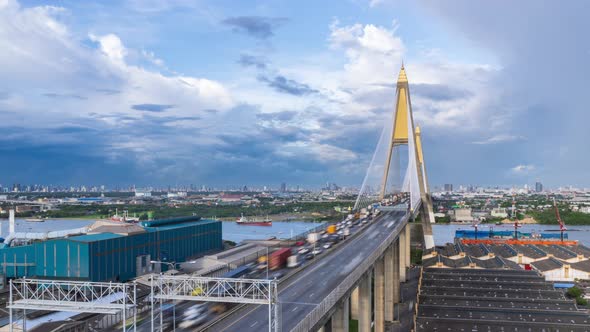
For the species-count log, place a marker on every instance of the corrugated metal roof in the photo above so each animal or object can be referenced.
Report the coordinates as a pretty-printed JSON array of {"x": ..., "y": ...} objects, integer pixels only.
[
  {"x": 179, "y": 225},
  {"x": 94, "y": 237}
]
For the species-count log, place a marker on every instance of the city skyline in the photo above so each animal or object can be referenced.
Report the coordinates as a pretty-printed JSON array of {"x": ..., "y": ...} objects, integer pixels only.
[{"x": 113, "y": 92}]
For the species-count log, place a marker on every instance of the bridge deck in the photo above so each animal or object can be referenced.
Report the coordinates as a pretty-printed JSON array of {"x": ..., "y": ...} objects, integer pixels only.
[{"x": 307, "y": 289}]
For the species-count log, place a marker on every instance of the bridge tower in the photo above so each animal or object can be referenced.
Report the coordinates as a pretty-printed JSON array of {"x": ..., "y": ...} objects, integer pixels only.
[{"x": 405, "y": 133}]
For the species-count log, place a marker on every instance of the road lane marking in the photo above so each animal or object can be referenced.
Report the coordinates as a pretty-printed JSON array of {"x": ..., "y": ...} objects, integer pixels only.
[
  {"x": 254, "y": 324},
  {"x": 294, "y": 309}
]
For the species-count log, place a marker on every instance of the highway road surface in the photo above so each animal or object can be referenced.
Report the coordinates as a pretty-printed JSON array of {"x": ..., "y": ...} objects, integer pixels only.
[{"x": 299, "y": 295}]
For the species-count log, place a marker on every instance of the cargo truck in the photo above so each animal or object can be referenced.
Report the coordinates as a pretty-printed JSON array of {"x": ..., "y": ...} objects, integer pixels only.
[
  {"x": 292, "y": 261},
  {"x": 331, "y": 229},
  {"x": 278, "y": 258},
  {"x": 313, "y": 237}
]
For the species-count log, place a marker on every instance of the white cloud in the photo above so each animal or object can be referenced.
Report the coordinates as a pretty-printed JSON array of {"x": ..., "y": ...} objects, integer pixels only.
[
  {"x": 522, "y": 169},
  {"x": 111, "y": 46},
  {"x": 375, "y": 3},
  {"x": 57, "y": 79},
  {"x": 501, "y": 138}
]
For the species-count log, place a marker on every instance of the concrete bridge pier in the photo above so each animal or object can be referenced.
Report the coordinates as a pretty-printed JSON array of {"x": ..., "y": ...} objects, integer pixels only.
[
  {"x": 341, "y": 318},
  {"x": 379, "y": 297},
  {"x": 354, "y": 304},
  {"x": 392, "y": 277},
  {"x": 403, "y": 239},
  {"x": 365, "y": 288},
  {"x": 378, "y": 293}
]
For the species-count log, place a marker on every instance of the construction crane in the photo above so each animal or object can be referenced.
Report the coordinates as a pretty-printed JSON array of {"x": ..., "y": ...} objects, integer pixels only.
[
  {"x": 516, "y": 225},
  {"x": 562, "y": 227},
  {"x": 474, "y": 225}
]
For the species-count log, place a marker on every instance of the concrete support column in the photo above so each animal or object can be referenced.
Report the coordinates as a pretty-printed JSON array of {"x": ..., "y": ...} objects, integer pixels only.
[
  {"x": 396, "y": 270},
  {"x": 379, "y": 296},
  {"x": 402, "y": 255},
  {"x": 365, "y": 303},
  {"x": 354, "y": 304},
  {"x": 341, "y": 318},
  {"x": 408, "y": 245},
  {"x": 389, "y": 268}
]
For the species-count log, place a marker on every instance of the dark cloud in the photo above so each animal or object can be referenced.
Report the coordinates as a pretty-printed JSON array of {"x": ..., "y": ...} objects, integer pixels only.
[
  {"x": 438, "y": 92},
  {"x": 248, "y": 60},
  {"x": 284, "y": 85},
  {"x": 152, "y": 107},
  {"x": 72, "y": 130},
  {"x": 212, "y": 111},
  {"x": 279, "y": 116},
  {"x": 64, "y": 95},
  {"x": 256, "y": 26}
]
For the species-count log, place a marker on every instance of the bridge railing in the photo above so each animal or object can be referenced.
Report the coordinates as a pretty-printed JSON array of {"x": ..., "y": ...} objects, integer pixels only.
[{"x": 323, "y": 308}]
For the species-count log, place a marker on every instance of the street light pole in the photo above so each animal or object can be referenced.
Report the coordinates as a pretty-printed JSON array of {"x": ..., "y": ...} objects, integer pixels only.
[{"x": 173, "y": 266}]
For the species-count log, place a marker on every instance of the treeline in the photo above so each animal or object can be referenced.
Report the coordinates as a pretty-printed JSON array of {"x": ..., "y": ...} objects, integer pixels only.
[
  {"x": 569, "y": 217},
  {"x": 164, "y": 211}
]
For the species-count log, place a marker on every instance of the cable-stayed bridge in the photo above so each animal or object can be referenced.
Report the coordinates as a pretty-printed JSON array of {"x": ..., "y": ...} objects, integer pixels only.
[{"x": 369, "y": 266}]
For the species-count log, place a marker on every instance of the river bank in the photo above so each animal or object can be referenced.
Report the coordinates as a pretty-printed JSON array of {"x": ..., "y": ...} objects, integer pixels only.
[{"x": 445, "y": 233}]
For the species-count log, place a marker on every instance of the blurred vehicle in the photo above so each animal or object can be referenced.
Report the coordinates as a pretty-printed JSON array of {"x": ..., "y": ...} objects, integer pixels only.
[
  {"x": 327, "y": 245},
  {"x": 278, "y": 259},
  {"x": 303, "y": 251},
  {"x": 197, "y": 291},
  {"x": 317, "y": 251},
  {"x": 195, "y": 310},
  {"x": 193, "y": 320},
  {"x": 293, "y": 261},
  {"x": 218, "y": 308}
]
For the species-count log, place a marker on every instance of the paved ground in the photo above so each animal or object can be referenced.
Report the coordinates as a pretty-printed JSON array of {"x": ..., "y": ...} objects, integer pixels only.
[{"x": 409, "y": 290}]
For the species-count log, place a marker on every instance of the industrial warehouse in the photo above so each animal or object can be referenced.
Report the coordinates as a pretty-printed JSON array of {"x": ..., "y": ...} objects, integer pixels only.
[{"x": 107, "y": 250}]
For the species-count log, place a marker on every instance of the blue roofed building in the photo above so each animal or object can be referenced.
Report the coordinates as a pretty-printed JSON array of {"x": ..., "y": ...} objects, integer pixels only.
[{"x": 110, "y": 251}]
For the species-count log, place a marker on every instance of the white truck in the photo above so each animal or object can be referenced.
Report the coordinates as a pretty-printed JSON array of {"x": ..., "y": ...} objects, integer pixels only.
[{"x": 313, "y": 237}]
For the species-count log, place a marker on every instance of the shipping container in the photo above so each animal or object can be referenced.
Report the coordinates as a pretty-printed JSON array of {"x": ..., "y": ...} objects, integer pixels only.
[{"x": 278, "y": 258}]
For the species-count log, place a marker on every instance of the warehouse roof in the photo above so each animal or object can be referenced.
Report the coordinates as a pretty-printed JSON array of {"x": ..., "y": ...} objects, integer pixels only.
[
  {"x": 494, "y": 300},
  {"x": 529, "y": 251},
  {"x": 559, "y": 252},
  {"x": 179, "y": 225},
  {"x": 547, "y": 264},
  {"x": 94, "y": 237},
  {"x": 580, "y": 250},
  {"x": 582, "y": 266}
]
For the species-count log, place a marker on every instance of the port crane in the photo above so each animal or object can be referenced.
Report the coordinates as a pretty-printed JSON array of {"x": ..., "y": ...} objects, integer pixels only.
[
  {"x": 475, "y": 225},
  {"x": 562, "y": 227},
  {"x": 516, "y": 224}
]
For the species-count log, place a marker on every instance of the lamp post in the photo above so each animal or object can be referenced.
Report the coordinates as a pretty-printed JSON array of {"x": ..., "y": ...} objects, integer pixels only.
[{"x": 172, "y": 266}]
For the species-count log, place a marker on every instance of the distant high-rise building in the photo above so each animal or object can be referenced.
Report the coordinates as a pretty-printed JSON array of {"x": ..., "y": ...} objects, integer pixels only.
[
  {"x": 283, "y": 187},
  {"x": 538, "y": 187},
  {"x": 448, "y": 187}
]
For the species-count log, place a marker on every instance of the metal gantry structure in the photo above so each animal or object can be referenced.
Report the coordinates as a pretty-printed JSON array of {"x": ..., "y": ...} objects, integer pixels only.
[
  {"x": 72, "y": 296},
  {"x": 193, "y": 288}
]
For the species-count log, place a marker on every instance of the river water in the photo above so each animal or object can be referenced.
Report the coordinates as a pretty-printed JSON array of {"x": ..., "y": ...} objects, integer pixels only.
[
  {"x": 445, "y": 233},
  {"x": 231, "y": 230}
]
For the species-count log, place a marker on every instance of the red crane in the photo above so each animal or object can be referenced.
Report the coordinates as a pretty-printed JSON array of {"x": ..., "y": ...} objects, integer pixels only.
[
  {"x": 562, "y": 227},
  {"x": 516, "y": 224}
]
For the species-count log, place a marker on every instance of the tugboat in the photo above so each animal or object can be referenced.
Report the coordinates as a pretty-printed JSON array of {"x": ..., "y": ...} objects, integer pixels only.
[{"x": 254, "y": 221}]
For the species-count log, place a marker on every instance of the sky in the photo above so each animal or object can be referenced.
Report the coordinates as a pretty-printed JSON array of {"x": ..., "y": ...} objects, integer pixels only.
[{"x": 161, "y": 92}]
